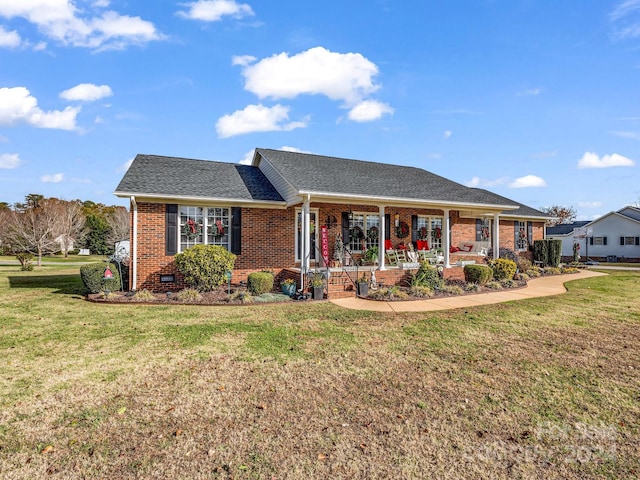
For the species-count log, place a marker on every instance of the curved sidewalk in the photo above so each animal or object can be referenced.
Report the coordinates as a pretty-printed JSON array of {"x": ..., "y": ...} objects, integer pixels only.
[{"x": 537, "y": 287}]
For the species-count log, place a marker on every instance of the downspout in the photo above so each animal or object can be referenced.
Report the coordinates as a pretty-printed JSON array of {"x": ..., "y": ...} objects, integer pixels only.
[
  {"x": 134, "y": 245},
  {"x": 381, "y": 246}
]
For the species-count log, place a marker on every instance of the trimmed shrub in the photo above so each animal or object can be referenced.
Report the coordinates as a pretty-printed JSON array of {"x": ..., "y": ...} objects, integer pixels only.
[
  {"x": 569, "y": 270},
  {"x": 555, "y": 252},
  {"x": 92, "y": 277},
  {"x": 189, "y": 295},
  {"x": 421, "y": 292},
  {"x": 427, "y": 276},
  {"x": 205, "y": 267},
  {"x": 260, "y": 282},
  {"x": 478, "y": 274},
  {"x": 548, "y": 251},
  {"x": 144, "y": 295},
  {"x": 503, "y": 268},
  {"x": 25, "y": 260}
]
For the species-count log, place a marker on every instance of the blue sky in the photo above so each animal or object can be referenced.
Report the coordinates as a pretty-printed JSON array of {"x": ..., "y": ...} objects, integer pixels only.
[{"x": 538, "y": 101}]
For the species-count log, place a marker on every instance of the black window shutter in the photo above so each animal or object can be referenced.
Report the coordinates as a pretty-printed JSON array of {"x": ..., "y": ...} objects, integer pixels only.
[
  {"x": 591, "y": 241},
  {"x": 414, "y": 228},
  {"x": 516, "y": 232},
  {"x": 530, "y": 233},
  {"x": 171, "y": 229},
  {"x": 387, "y": 226},
  {"x": 637, "y": 241},
  {"x": 604, "y": 240},
  {"x": 346, "y": 237},
  {"x": 621, "y": 240},
  {"x": 478, "y": 229},
  {"x": 236, "y": 230}
]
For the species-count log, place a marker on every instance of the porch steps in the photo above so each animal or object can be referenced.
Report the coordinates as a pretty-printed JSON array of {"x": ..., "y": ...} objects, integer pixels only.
[{"x": 340, "y": 286}]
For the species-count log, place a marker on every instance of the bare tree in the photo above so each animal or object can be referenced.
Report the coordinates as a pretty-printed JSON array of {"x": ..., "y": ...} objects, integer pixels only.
[
  {"x": 561, "y": 214},
  {"x": 33, "y": 229},
  {"x": 119, "y": 222},
  {"x": 70, "y": 222}
]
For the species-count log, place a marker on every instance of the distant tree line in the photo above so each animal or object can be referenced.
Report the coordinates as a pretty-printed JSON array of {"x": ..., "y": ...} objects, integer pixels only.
[{"x": 44, "y": 226}]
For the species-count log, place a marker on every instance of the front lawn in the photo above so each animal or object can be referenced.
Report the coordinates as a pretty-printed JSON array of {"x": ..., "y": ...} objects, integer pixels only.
[{"x": 543, "y": 388}]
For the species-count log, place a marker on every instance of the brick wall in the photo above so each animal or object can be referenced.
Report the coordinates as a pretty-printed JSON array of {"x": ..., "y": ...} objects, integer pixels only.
[{"x": 268, "y": 239}]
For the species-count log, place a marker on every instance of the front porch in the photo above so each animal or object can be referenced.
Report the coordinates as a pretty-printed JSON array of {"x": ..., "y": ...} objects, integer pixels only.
[{"x": 342, "y": 280}]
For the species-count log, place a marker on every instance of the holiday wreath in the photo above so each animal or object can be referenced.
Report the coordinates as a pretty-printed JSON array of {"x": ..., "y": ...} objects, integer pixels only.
[
  {"x": 372, "y": 234},
  {"x": 356, "y": 233},
  {"x": 219, "y": 229},
  {"x": 402, "y": 230},
  {"x": 191, "y": 229}
]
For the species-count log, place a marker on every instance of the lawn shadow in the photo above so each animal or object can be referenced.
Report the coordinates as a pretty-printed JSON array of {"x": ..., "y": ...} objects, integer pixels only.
[{"x": 70, "y": 284}]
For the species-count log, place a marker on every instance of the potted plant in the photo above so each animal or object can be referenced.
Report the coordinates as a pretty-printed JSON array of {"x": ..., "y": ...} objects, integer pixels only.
[
  {"x": 371, "y": 255},
  {"x": 363, "y": 286},
  {"x": 317, "y": 286},
  {"x": 288, "y": 286}
]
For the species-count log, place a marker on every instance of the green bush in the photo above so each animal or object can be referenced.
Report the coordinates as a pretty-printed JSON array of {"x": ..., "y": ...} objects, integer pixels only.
[
  {"x": 555, "y": 252},
  {"x": 479, "y": 274},
  {"x": 421, "y": 292},
  {"x": 25, "y": 260},
  {"x": 427, "y": 276},
  {"x": 503, "y": 268},
  {"x": 548, "y": 252},
  {"x": 260, "y": 282},
  {"x": 92, "y": 277},
  {"x": 205, "y": 267}
]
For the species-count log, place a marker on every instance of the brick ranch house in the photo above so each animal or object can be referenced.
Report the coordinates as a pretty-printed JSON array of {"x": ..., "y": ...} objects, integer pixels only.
[{"x": 284, "y": 211}]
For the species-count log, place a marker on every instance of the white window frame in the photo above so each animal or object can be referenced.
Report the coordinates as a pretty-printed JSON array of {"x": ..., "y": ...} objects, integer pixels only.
[
  {"x": 629, "y": 241},
  {"x": 432, "y": 223},
  {"x": 521, "y": 244},
  {"x": 314, "y": 234},
  {"x": 366, "y": 221},
  {"x": 205, "y": 218},
  {"x": 598, "y": 240}
]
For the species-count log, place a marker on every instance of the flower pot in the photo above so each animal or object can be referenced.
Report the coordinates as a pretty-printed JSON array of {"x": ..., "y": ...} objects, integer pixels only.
[
  {"x": 289, "y": 289},
  {"x": 318, "y": 293},
  {"x": 363, "y": 289}
]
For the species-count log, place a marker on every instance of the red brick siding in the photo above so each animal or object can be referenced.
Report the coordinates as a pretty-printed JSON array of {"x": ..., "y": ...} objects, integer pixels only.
[{"x": 268, "y": 239}]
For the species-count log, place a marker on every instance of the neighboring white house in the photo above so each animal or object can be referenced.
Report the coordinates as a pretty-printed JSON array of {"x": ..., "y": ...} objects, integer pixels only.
[{"x": 612, "y": 237}]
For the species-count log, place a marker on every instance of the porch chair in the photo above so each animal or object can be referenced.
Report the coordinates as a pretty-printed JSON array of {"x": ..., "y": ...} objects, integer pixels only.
[
  {"x": 392, "y": 257},
  {"x": 402, "y": 256}
]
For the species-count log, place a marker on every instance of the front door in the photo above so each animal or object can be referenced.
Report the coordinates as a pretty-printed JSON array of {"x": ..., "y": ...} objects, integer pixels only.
[{"x": 313, "y": 215}]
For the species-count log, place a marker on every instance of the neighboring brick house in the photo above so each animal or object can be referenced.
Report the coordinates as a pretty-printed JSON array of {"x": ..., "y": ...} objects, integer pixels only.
[{"x": 272, "y": 213}]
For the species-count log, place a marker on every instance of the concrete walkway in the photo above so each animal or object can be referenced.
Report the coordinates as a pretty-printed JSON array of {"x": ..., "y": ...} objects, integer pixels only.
[{"x": 537, "y": 287}]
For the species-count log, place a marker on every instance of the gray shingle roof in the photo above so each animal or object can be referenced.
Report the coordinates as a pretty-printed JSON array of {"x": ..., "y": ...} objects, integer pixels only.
[
  {"x": 317, "y": 173},
  {"x": 183, "y": 177},
  {"x": 565, "y": 228}
]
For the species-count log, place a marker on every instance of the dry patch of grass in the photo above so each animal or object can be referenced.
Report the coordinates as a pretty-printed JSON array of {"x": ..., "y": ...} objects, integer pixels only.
[{"x": 545, "y": 388}]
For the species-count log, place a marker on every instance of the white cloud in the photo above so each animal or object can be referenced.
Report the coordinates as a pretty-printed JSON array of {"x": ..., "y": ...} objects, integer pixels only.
[
  {"x": 87, "y": 92},
  {"x": 626, "y": 19},
  {"x": 256, "y": 118},
  {"x": 60, "y": 20},
  {"x": 592, "y": 160},
  {"x": 125, "y": 166},
  {"x": 52, "y": 178},
  {"x": 528, "y": 181},
  {"x": 293, "y": 149},
  {"x": 248, "y": 157},
  {"x": 447, "y": 134},
  {"x": 317, "y": 71},
  {"x": 9, "y": 39},
  {"x": 369, "y": 110},
  {"x": 214, "y": 10},
  {"x": 101, "y": 3},
  {"x": 9, "y": 160},
  {"x": 17, "y": 105},
  {"x": 629, "y": 135},
  {"x": 589, "y": 204},
  {"x": 530, "y": 92},
  {"x": 477, "y": 182},
  {"x": 242, "y": 60}
]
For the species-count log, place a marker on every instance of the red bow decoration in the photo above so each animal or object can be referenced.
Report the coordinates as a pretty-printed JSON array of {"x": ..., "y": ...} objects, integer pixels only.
[
  {"x": 220, "y": 227},
  {"x": 192, "y": 225}
]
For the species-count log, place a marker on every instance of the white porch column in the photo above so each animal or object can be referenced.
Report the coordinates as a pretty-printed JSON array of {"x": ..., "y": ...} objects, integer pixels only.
[
  {"x": 447, "y": 238},
  {"x": 496, "y": 236},
  {"x": 306, "y": 209},
  {"x": 381, "y": 256}
]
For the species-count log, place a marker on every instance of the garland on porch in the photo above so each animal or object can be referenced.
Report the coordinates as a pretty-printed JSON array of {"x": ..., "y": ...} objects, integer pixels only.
[
  {"x": 191, "y": 229},
  {"x": 402, "y": 230}
]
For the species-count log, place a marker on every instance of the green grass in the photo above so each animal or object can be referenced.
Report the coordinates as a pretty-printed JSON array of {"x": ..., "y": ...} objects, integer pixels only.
[{"x": 309, "y": 390}]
